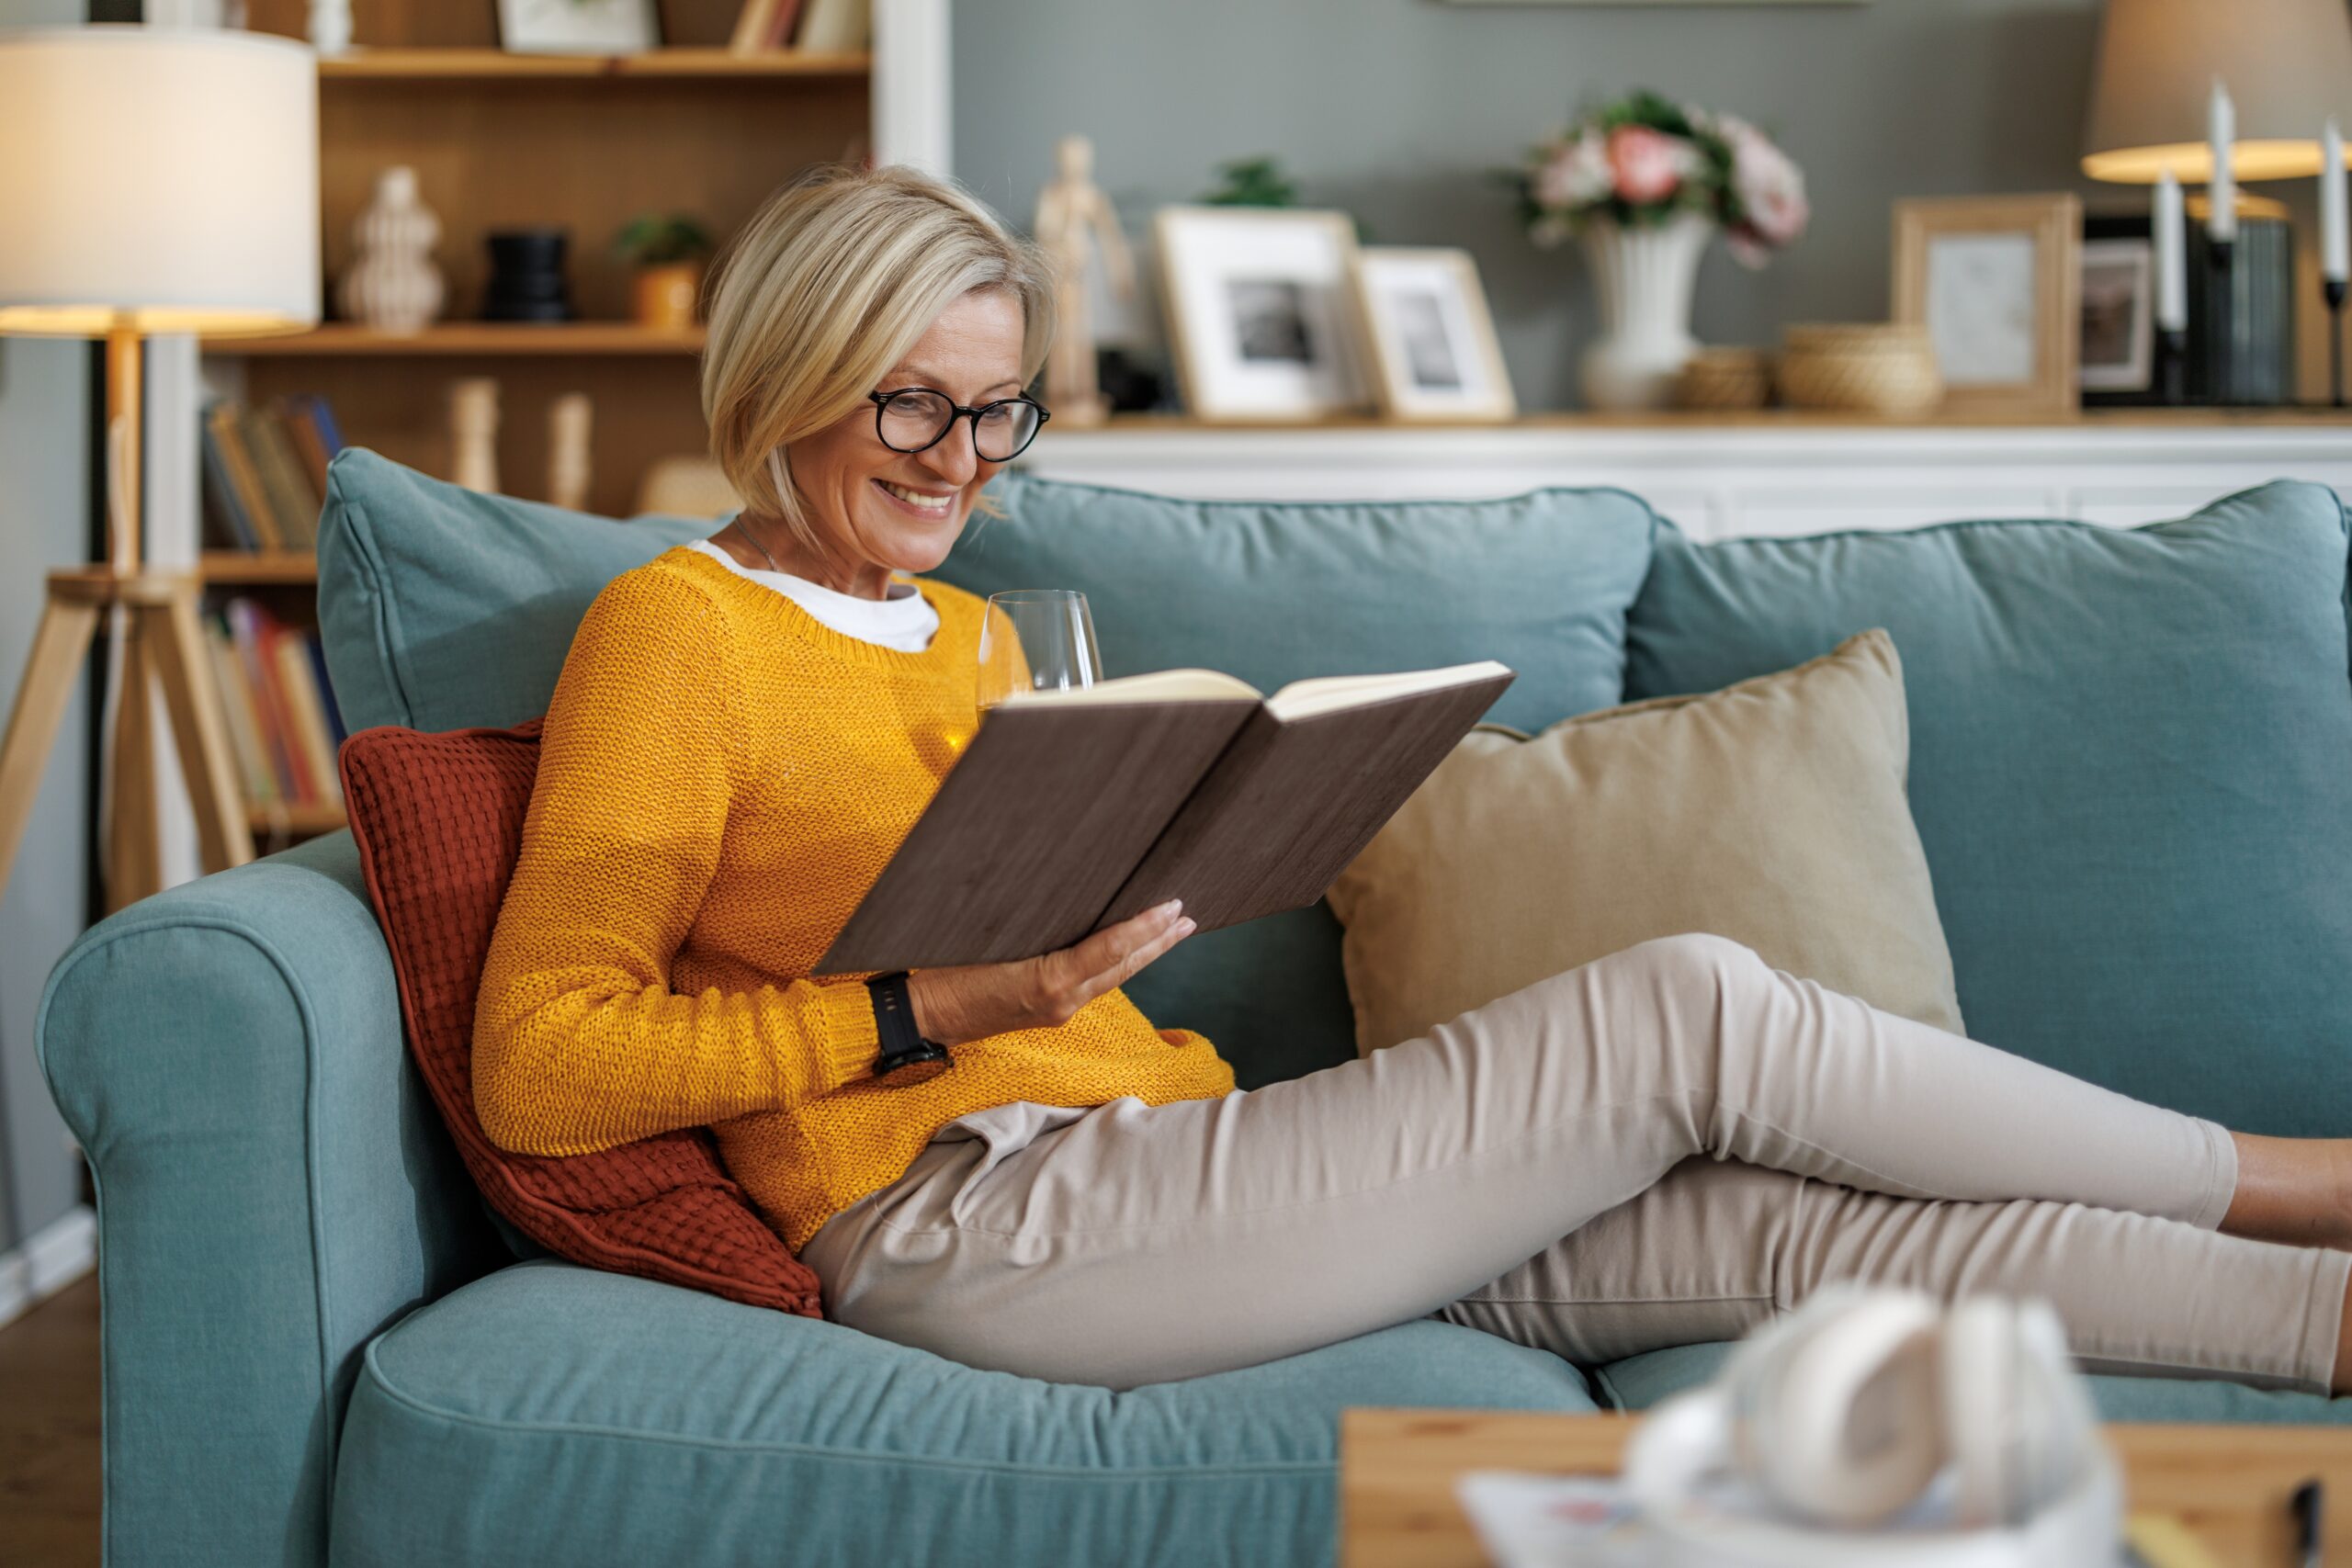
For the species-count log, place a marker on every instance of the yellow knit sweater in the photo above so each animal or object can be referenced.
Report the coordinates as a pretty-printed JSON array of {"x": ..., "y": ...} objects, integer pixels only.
[{"x": 721, "y": 778}]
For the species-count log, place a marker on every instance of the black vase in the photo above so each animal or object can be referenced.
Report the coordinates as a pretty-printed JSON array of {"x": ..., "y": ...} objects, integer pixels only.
[{"x": 527, "y": 281}]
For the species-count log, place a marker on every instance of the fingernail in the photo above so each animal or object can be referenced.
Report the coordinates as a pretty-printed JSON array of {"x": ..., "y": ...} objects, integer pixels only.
[
  {"x": 1186, "y": 928},
  {"x": 1171, "y": 906}
]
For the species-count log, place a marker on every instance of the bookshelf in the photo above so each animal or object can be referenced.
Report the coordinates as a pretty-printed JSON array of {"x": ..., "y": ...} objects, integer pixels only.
[{"x": 583, "y": 141}]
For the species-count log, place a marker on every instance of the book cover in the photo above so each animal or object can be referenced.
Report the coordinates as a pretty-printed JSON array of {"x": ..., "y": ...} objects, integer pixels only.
[{"x": 1068, "y": 813}]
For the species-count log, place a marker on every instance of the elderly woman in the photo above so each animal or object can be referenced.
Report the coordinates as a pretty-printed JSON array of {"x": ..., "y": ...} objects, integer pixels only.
[{"x": 1664, "y": 1146}]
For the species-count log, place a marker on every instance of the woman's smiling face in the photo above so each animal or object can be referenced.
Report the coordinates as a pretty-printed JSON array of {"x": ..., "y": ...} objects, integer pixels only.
[{"x": 884, "y": 511}]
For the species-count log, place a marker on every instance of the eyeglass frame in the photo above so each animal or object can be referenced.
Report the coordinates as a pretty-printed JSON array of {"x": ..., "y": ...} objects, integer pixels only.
[{"x": 881, "y": 402}]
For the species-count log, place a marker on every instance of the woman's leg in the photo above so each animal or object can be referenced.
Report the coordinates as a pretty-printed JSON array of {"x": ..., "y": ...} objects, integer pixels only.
[
  {"x": 1141, "y": 1243},
  {"x": 1715, "y": 1248}
]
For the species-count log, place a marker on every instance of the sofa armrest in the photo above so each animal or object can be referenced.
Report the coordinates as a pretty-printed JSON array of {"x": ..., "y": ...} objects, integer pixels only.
[{"x": 274, "y": 1188}]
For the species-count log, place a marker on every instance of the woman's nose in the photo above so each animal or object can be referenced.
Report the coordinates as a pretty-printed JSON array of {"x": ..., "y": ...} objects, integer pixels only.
[{"x": 955, "y": 458}]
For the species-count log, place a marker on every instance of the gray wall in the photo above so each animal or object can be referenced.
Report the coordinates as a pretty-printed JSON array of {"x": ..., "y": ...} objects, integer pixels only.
[
  {"x": 44, "y": 521},
  {"x": 1396, "y": 110}
]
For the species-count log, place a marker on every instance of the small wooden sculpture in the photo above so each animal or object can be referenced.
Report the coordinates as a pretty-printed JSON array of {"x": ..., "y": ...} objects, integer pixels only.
[
  {"x": 1073, "y": 215},
  {"x": 569, "y": 419},
  {"x": 473, "y": 433}
]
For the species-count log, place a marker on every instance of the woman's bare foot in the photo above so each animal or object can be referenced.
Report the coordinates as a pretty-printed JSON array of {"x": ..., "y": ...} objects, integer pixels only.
[{"x": 2297, "y": 1190}]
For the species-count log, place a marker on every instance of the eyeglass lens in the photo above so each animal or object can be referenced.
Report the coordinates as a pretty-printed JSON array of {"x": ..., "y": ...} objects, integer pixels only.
[{"x": 913, "y": 420}]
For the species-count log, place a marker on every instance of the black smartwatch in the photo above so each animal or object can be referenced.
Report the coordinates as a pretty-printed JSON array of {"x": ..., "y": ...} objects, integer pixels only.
[{"x": 907, "y": 1057}]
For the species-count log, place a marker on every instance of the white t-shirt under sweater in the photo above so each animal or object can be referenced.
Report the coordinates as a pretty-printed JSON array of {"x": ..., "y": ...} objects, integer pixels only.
[{"x": 904, "y": 621}]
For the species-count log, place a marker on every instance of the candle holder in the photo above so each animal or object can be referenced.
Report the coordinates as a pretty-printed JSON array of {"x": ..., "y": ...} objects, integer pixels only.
[
  {"x": 2171, "y": 379},
  {"x": 2220, "y": 376},
  {"x": 2333, "y": 290}
]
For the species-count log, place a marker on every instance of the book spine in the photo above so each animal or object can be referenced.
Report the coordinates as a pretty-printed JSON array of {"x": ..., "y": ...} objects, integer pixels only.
[
  {"x": 222, "y": 508},
  {"x": 249, "y": 624},
  {"x": 321, "y": 415},
  {"x": 294, "y": 677},
  {"x": 335, "y": 726},
  {"x": 237, "y": 461},
  {"x": 290, "y": 497},
  {"x": 294, "y": 414},
  {"x": 237, "y": 704}
]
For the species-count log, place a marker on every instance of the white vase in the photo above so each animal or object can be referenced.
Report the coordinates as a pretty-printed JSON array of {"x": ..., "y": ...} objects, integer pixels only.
[
  {"x": 1644, "y": 276},
  {"x": 393, "y": 285}
]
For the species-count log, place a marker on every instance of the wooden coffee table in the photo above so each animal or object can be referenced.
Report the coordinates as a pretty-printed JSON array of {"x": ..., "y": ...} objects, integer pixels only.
[{"x": 2229, "y": 1484}]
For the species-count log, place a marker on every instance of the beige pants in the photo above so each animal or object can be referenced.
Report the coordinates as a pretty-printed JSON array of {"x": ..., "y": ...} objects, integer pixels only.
[{"x": 1665, "y": 1146}]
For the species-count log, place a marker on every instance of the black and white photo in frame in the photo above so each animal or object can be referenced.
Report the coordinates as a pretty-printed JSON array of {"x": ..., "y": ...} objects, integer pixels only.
[
  {"x": 1427, "y": 335},
  {"x": 1259, "y": 319}
]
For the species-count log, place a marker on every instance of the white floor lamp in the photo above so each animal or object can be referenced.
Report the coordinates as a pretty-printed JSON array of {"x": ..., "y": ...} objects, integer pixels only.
[{"x": 151, "y": 180}]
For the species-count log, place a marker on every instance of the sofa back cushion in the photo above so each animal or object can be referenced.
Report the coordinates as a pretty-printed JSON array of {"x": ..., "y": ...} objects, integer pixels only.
[
  {"x": 1277, "y": 591},
  {"x": 442, "y": 608},
  {"x": 438, "y": 820},
  {"x": 2131, "y": 769}
]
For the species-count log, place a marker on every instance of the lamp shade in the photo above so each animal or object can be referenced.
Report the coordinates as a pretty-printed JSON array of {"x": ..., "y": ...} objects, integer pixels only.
[
  {"x": 165, "y": 179},
  {"x": 2287, "y": 64}
]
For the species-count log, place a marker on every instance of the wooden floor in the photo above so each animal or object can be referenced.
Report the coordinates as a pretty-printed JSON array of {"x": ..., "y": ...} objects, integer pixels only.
[{"x": 48, "y": 1432}]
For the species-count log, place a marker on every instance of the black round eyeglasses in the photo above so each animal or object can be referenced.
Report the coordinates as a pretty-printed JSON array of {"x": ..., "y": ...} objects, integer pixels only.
[{"x": 916, "y": 419}]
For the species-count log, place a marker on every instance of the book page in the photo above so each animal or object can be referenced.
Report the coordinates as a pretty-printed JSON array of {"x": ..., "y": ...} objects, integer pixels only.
[
  {"x": 1303, "y": 699},
  {"x": 1159, "y": 687}
]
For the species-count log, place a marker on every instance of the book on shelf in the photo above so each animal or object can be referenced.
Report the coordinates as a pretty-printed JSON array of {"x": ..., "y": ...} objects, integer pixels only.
[
  {"x": 276, "y": 704},
  {"x": 264, "y": 472},
  {"x": 1074, "y": 810},
  {"x": 836, "y": 26},
  {"x": 763, "y": 25}
]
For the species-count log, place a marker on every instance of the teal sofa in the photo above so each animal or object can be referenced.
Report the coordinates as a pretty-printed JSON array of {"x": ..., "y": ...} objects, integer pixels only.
[{"x": 2132, "y": 771}]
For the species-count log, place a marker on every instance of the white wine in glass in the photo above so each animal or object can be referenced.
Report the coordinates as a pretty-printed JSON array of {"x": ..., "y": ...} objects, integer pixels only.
[{"x": 1036, "y": 639}]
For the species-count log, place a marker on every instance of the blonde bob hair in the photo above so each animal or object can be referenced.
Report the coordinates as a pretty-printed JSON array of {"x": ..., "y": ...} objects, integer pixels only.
[{"x": 831, "y": 284}]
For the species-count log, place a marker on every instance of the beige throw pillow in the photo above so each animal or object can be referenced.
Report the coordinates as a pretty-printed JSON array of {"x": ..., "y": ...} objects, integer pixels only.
[{"x": 1771, "y": 812}]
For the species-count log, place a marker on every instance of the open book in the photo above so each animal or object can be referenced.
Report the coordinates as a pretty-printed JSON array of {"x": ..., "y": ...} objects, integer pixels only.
[{"x": 1073, "y": 810}]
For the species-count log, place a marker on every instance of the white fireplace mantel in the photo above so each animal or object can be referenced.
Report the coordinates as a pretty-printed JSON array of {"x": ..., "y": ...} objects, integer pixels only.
[{"x": 1756, "y": 476}]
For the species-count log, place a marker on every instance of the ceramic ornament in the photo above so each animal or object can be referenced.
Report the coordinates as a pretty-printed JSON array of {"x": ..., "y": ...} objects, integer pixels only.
[{"x": 393, "y": 287}]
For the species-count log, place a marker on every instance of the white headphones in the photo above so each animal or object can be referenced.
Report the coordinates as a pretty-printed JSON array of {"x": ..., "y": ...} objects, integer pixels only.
[{"x": 1864, "y": 1402}]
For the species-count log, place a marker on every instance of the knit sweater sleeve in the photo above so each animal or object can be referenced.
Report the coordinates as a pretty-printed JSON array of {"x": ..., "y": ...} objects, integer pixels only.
[{"x": 579, "y": 1043}]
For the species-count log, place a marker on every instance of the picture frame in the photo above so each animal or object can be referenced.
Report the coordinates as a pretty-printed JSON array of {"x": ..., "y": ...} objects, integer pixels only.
[
  {"x": 2119, "y": 334},
  {"x": 578, "y": 26},
  {"x": 1260, "y": 327},
  {"x": 1997, "y": 283},
  {"x": 1429, "y": 340}
]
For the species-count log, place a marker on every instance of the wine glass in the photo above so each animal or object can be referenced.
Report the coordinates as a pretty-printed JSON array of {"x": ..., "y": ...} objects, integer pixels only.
[{"x": 1036, "y": 639}]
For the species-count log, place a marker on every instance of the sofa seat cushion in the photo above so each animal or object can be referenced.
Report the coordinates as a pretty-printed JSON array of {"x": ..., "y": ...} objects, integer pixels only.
[
  {"x": 1639, "y": 1381},
  {"x": 552, "y": 1414},
  {"x": 2131, "y": 769},
  {"x": 1275, "y": 592}
]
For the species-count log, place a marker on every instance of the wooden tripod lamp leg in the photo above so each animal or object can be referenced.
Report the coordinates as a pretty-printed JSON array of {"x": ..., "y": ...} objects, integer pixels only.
[
  {"x": 175, "y": 643},
  {"x": 134, "y": 863},
  {"x": 59, "y": 646}
]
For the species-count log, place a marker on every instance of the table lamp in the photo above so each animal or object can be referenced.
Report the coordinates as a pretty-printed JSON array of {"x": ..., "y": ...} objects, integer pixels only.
[
  {"x": 2287, "y": 65},
  {"x": 151, "y": 180}
]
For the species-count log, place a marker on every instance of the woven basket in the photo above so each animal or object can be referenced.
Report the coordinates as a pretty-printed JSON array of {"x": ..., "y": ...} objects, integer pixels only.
[
  {"x": 1719, "y": 380},
  {"x": 1863, "y": 367}
]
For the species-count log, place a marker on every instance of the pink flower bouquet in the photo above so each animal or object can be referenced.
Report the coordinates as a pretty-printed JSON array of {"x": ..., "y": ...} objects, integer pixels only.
[{"x": 1640, "y": 161}]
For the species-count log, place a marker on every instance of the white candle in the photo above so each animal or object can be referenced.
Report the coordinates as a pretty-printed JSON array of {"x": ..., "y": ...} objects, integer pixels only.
[
  {"x": 2334, "y": 263},
  {"x": 2171, "y": 233},
  {"x": 2222, "y": 132}
]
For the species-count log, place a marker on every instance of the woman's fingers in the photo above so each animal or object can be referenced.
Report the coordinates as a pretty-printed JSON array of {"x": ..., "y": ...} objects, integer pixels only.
[{"x": 1076, "y": 975}]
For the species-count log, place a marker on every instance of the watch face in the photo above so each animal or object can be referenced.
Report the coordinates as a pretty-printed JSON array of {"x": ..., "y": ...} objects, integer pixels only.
[{"x": 906, "y": 1073}]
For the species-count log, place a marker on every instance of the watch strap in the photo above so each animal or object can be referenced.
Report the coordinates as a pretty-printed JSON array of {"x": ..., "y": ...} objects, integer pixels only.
[{"x": 906, "y": 1057}]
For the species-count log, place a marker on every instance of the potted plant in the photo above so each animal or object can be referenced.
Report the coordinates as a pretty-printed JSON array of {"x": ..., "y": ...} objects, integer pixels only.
[
  {"x": 666, "y": 255},
  {"x": 1644, "y": 183}
]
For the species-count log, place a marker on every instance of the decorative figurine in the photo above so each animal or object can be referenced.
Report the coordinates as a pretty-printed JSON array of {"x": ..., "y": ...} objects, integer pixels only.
[
  {"x": 393, "y": 285},
  {"x": 473, "y": 433},
  {"x": 1072, "y": 217},
  {"x": 569, "y": 419}
]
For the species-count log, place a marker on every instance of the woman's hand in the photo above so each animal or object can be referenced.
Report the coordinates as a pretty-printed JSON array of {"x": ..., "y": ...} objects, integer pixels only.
[{"x": 976, "y": 1000}]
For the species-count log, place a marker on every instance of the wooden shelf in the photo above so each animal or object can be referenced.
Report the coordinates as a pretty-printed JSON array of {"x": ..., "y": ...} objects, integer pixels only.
[
  {"x": 254, "y": 568},
  {"x": 293, "y": 821},
  {"x": 346, "y": 338},
  {"x": 671, "y": 64},
  {"x": 2305, "y": 415}
]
